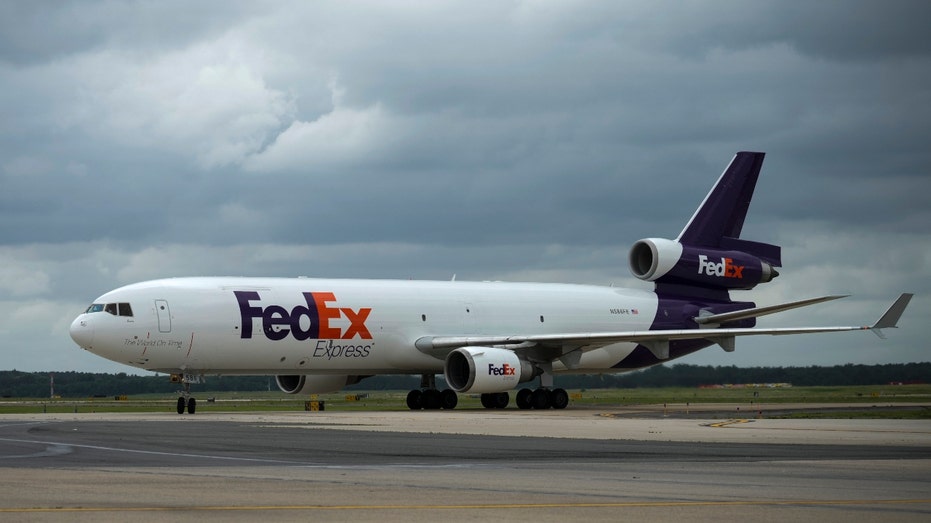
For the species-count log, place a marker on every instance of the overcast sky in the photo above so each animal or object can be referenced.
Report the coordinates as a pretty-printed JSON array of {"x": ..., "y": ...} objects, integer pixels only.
[{"x": 521, "y": 141}]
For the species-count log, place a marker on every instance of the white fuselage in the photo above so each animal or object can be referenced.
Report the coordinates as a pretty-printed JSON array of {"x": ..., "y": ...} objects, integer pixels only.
[{"x": 314, "y": 326}]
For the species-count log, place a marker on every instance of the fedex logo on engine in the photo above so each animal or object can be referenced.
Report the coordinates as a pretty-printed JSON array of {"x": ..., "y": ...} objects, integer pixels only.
[
  {"x": 725, "y": 269},
  {"x": 503, "y": 370},
  {"x": 317, "y": 320}
]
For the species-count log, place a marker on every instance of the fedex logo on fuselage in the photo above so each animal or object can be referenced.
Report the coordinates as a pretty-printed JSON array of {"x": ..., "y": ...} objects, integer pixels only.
[
  {"x": 725, "y": 269},
  {"x": 503, "y": 370},
  {"x": 310, "y": 322}
]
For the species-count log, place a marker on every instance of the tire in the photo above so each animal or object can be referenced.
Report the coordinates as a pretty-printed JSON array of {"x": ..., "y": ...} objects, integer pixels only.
[
  {"x": 523, "y": 398},
  {"x": 540, "y": 399},
  {"x": 181, "y": 405},
  {"x": 500, "y": 400},
  {"x": 449, "y": 399},
  {"x": 191, "y": 405},
  {"x": 413, "y": 400},
  {"x": 430, "y": 399},
  {"x": 486, "y": 401},
  {"x": 559, "y": 398}
]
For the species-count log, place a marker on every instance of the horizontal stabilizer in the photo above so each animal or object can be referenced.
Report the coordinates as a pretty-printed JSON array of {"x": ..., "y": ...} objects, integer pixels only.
[
  {"x": 890, "y": 318},
  {"x": 718, "y": 319}
]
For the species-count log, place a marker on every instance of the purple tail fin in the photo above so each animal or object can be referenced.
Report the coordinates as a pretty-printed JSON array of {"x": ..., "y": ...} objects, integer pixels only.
[
  {"x": 718, "y": 221},
  {"x": 723, "y": 211}
]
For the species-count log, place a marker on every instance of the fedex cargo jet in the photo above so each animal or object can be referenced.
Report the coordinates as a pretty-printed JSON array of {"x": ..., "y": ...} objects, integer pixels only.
[{"x": 488, "y": 338}]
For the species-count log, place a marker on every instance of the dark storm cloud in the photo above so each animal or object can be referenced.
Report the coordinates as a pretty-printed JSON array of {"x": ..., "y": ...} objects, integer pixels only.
[
  {"x": 32, "y": 33},
  {"x": 834, "y": 30},
  {"x": 524, "y": 140}
]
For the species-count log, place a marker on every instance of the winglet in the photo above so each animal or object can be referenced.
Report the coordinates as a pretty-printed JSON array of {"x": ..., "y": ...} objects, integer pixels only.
[{"x": 891, "y": 317}]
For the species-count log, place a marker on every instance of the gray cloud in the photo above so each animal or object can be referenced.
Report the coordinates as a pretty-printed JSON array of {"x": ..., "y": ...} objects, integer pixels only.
[{"x": 520, "y": 141}]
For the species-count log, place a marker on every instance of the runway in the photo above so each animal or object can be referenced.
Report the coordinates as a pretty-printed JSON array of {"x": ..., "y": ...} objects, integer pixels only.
[{"x": 574, "y": 465}]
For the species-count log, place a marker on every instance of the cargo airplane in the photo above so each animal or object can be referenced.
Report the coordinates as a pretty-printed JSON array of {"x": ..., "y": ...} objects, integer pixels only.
[{"x": 487, "y": 338}]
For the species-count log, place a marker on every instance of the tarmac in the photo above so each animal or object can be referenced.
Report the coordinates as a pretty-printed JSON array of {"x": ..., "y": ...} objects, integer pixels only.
[{"x": 570, "y": 465}]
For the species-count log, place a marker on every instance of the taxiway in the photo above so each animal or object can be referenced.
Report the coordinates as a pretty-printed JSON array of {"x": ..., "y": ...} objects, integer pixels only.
[{"x": 574, "y": 465}]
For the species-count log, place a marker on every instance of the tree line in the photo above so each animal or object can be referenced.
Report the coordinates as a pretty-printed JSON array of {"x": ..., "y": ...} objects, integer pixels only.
[{"x": 19, "y": 384}]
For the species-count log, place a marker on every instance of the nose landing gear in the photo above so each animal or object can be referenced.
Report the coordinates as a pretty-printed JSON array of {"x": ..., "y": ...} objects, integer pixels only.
[{"x": 185, "y": 401}]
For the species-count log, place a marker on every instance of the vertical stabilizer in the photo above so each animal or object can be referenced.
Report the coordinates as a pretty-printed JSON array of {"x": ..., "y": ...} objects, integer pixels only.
[
  {"x": 719, "y": 219},
  {"x": 725, "y": 207}
]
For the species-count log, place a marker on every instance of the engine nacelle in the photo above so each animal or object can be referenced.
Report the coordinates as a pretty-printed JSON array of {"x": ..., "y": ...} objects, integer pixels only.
[
  {"x": 668, "y": 261},
  {"x": 486, "y": 369},
  {"x": 315, "y": 383}
]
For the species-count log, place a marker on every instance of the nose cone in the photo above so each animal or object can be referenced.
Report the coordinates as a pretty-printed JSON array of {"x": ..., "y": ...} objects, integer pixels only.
[{"x": 82, "y": 332}]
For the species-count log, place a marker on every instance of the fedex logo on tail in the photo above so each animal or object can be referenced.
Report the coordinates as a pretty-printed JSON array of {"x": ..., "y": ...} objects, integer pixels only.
[
  {"x": 317, "y": 320},
  {"x": 724, "y": 269}
]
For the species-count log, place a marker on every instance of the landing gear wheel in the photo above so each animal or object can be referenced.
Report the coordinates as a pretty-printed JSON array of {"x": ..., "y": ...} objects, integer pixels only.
[
  {"x": 559, "y": 398},
  {"x": 430, "y": 399},
  {"x": 413, "y": 400},
  {"x": 500, "y": 400},
  {"x": 181, "y": 405},
  {"x": 486, "y": 401},
  {"x": 540, "y": 399},
  {"x": 523, "y": 398},
  {"x": 448, "y": 399},
  {"x": 495, "y": 400},
  {"x": 191, "y": 405}
]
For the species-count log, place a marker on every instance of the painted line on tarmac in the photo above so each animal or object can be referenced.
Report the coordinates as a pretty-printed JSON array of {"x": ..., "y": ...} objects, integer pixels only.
[
  {"x": 60, "y": 445},
  {"x": 488, "y": 506},
  {"x": 55, "y": 448},
  {"x": 721, "y": 424}
]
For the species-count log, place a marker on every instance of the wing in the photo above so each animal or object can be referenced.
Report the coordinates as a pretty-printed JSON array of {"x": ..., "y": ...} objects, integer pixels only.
[{"x": 562, "y": 345}]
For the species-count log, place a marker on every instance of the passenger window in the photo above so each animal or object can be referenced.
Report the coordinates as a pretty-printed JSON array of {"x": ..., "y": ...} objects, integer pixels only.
[
  {"x": 110, "y": 308},
  {"x": 125, "y": 309}
]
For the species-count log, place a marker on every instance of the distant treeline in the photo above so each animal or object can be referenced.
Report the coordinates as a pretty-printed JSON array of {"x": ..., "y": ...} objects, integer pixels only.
[{"x": 85, "y": 384}]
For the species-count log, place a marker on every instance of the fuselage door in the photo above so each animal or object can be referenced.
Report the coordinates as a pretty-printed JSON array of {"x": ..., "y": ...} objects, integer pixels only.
[{"x": 164, "y": 316}]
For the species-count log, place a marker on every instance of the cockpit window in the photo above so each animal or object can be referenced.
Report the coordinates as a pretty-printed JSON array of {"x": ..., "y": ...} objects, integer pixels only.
[
  {"x": 116, "y": 309},
  {"x": 125, "y": 309}
]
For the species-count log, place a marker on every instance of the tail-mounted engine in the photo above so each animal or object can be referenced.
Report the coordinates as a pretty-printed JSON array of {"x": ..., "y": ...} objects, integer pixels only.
[
  {"x": 669, "y": 262},
  {"x": 486, "y": 369}
]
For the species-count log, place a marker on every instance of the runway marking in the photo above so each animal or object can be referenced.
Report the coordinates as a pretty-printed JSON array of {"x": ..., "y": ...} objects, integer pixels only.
[
  {"x": 484, "y": 506},
  {"x": 728, "y": 422},
  {"x": 54, "y": 448},
  {"x": 152, "y": 452},
  {"x": 51, "y": 450},
  {"x": 722, "y": 424}
]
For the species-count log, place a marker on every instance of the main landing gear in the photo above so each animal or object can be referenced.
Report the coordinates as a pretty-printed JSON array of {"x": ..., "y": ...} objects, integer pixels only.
[
  {"x": 185, "y": 401},
  {"x": 542, "y": 398},
  {"x": 428, "y": 397}
]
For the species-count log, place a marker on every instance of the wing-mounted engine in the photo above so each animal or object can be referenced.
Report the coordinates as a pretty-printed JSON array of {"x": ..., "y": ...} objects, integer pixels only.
[
  {"x": 737, "y": 264},
  {"x": 486, "y": 370},
  {"x": 316, "y": 383}
]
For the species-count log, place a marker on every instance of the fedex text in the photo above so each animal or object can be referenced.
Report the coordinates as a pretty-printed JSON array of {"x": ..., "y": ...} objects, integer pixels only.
[
  {"x": 316, "y": 320},
  {"x": 503, "y": 370},
  {"x": 724, "y": 269},
  {"x": 329, "y": 350}
]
